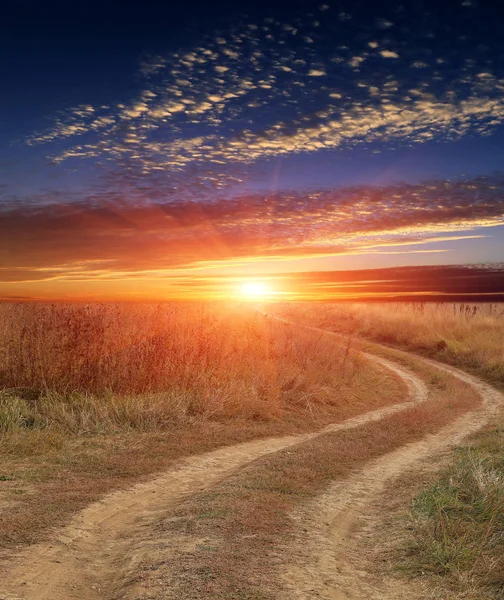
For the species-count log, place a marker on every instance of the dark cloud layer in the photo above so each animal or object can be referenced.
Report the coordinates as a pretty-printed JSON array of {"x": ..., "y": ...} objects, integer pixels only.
[{"x": 434, "y": 283}]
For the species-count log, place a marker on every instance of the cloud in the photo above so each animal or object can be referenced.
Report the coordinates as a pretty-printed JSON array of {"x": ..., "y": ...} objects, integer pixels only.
[
  {"x": 389, "y": 54},
  {"x": 101, "y": 236},
  {"x": 384, "y": 23},
  {"x": 470, "y": 284},
  {"x": 268, "y": 89}
]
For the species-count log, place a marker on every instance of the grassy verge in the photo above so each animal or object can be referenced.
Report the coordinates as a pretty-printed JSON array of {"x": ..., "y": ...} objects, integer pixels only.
[
  {"x": 469, "y": 336},
  {"x": 96, "y": 397},
  {"x": 230, "y": 532},
  {"x": 456, "y": 525}
]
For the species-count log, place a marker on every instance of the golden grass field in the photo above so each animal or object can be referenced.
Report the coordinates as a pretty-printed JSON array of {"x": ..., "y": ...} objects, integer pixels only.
[
  {"x": 470, "y": 336},
  {"x": 94, "y": 397},
  {"x": 96, "y": 368}
]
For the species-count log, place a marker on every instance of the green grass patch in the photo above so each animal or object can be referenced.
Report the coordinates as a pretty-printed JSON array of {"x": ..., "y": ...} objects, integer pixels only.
[{"x": 458, "y": 522}]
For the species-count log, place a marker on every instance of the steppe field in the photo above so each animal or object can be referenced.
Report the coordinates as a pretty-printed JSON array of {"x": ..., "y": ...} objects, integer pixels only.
[{"x": 243, "y": 452}]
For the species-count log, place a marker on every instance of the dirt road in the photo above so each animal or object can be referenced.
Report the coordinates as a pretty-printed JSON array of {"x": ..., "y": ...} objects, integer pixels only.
[
  {"x": 329, "y": 558},
  {"x": 93, "y": 557}
]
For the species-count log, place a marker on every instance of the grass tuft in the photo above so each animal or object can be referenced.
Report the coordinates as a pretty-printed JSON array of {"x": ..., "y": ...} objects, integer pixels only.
[{"x": 458, "y": 522}]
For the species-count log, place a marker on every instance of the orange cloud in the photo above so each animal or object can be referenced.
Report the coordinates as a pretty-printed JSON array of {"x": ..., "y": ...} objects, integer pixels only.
[{"x": 103, "y": 237}]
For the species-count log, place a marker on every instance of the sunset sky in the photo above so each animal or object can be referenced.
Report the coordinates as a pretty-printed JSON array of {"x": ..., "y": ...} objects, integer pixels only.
[{"x": 171, "y": 150}]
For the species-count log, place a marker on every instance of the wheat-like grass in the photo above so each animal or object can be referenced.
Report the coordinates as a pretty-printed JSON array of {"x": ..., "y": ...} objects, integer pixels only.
[{"x": 102, "y": 367}]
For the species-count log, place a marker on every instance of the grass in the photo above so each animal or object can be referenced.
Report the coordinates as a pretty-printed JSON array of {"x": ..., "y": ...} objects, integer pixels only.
[
  {"x": 232, "y": 531},
  {"x": 102, "y": 368},
  {"x": 457, "y": 523},
  {"x": 96, "y": 397},
  {"x": 470, "y": 336}
]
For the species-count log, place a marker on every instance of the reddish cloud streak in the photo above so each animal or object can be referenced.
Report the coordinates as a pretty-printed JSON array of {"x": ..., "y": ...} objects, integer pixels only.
[{"x": 103, "y": 236}]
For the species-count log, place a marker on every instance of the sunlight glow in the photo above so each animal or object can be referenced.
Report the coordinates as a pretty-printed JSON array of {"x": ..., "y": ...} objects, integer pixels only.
[{"x": 255, "y": 289}]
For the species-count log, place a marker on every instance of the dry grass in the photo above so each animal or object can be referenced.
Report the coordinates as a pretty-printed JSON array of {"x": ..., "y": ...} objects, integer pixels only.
[
  {"x": 454, "y": 537},
  {"x": 467, "y": 335},
  {"x": 230, "y": 533},
  {"x": 99, "y": 368},
  {"x": 94, "y": 397}
]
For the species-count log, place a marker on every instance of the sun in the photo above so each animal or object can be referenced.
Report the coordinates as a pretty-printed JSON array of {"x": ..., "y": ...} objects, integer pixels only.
[{"x": 255, "y": 289}]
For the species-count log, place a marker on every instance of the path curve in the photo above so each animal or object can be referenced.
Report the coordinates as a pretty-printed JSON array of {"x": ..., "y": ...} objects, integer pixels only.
[
  {"x": 90, "y": 557},
  {"x": 325, "y": 560}
]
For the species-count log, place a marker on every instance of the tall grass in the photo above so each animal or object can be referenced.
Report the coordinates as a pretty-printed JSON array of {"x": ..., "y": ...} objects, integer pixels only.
[
  {"x": 468, "y": 335},
  {"x": 100, "y": 367}
]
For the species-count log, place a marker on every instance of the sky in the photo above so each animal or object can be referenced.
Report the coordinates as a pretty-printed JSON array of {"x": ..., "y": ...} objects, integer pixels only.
[{"x": 176, "y": 150}]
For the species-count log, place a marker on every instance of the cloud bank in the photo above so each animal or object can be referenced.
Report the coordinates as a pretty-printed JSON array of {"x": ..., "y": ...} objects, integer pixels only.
[{"x": 103, "y": 236}]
